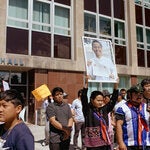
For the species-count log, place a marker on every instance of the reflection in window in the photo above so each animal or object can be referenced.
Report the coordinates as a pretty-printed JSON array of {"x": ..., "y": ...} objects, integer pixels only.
[
  {"x": 90, "y": 5},
  {"x": 148, "y": 58},
  {"x": 105, "y": 7},
  {"x": 139, "y": 34},
  {"x": 120, "y": 55},
  {"x": 89, "y": 22},
  {"x": 148, "y": 36},
  {"x": 138, "y": 2},
  {"x": 139, "y": 16},
  {"x": 147, "y": 17},
  {"x": 17, "y": 41},
  {"x": 119, "y": 29},
  {"x": 41, "y": 44},
  {"x": 62, "y": 47},
  {"x": 105, "y": 26},
  {"x": 119, "y": 9},
  {"x": 18, "y": 78},
  {"x": 62, "y": 20},
  {"x": 41, "y": 14},
  {"x": 141, "y": 58},
  {"x": 4, "y": 76},
  {"x": 18, "y": 9}
]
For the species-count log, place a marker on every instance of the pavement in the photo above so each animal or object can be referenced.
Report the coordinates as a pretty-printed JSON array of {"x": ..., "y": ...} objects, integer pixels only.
[{"x": 38, "y": 133}]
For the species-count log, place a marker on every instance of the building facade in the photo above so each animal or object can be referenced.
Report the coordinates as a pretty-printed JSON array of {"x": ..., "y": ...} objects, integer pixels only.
[{"x": 41, "y": 43}]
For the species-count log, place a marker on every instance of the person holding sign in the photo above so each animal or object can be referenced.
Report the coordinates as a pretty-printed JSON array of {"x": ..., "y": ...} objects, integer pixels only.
[
  {"x": 61, "y": 121},
  {"x": 100, "y": 67}
]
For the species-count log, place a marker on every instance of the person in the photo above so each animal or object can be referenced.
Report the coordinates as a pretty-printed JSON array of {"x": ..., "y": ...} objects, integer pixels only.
[
  {"x": 132, "y": 123},
  {"x": 111, "y": 122},
  {"x": 100, "y": 67},
  {"x": 79, "y": 121},
  {"x": 46, "y": 129},
  {"x": 123, "y": 93},
  {"x": 61, "y": 121},
  {"x": 96, "y": 118},
  {"x": 121, "y": 99},
  {"x": 145, "y": 84},
  {"x": 14, "y": 132}
]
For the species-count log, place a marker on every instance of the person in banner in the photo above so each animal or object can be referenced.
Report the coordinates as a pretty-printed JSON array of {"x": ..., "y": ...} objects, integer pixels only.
[
  {"x": 100, "y": 67},
  {"x": 96, "y": 118}
]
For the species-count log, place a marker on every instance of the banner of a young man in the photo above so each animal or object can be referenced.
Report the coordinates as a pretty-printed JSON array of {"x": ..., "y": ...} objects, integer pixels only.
[{"x": 99, "y": 59}]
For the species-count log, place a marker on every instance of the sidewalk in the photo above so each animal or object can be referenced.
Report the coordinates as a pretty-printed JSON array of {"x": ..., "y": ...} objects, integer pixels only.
[{"x": 38, "y": 133}]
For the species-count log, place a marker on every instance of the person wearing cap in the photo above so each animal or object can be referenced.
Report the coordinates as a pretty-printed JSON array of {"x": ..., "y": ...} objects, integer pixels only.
[
  {"x": 61, "y": 121},
  {"x": 145, "y": 84},
  {"x": 132, "y": 122},
  {"x": 14, "y": 133}
]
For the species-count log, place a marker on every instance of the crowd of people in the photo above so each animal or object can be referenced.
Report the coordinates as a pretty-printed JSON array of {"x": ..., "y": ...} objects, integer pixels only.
[{"x": 107, "y": 121}]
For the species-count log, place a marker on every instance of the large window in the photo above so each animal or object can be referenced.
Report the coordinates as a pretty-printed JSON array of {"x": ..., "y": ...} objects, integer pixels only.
[
  {"x": 142, "y": 9},
  {"x": 33, "y": 25},
  {"x": 108, "y": 22}
]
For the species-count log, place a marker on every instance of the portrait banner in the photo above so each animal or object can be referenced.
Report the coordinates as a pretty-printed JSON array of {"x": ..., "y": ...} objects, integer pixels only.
[
  {"x": 41, "y": 92},
  {"x": 99, "y": 60}
]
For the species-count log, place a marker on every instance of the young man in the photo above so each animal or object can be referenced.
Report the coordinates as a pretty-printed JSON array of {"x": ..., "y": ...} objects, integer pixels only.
[
  {"x": 14, "y": 133},
  {"x": 61, "y": 121},
  {"x": 132, "y": 123}
]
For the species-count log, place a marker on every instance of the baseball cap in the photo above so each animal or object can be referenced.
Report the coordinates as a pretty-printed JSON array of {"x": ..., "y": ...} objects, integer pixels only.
[{"x": 136, "y": 89}]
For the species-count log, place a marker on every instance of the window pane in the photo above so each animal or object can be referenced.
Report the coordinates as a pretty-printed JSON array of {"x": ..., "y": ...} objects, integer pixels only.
[
  {"x": 147, "y": 17},
  {"x": 148, "y": 58},
  {"x": 62, "y": 17},
  {"x": 148, "y": 35},
  {"x": 65, "y": 2},
  {"x": 62, "y": 47},
  {"x": 41, "y": 44},
  {"x": 138, "y": 12},
  {"x": 105, "y": 26},
  {"x": 141, "y": 58},
  {"x": 138, "y": 2},
  {"x": 119, "y": 9},
  {"x": 18, "y": 9},
  {"x": 120, "y": 55},
  {"x": 18, "y": 78},
  {"x": 41, "y": 12},
  {"x": 119, "y": 29},
  {"x": 89, "y": 22},
  {"x": 4, "y": 76},
  {"x": 17, "y": 41},
  {"x": 105, "y": 7},
  {"x": 139, "y": 34},
  {"x": 90, "y": 5}
]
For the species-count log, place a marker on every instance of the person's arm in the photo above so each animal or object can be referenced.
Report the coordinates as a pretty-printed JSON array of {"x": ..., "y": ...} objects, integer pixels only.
[
  {"x": 119, "y": 135},
  {"x": 84, "y": 98}
]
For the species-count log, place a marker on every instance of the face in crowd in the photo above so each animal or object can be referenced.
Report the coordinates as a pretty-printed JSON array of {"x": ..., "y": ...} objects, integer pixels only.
[{"x": 97, "y": 99}]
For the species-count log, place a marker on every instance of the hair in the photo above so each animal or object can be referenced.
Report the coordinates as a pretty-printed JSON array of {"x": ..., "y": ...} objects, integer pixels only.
[
  {"x": 13, "y": 96},
  {"x": 96, "y": 41},
  {"x": 94, "y": 94},
  {"x": 57, "y": 89},
  {"x": 145, "y": 82},
  {"x": 123, "y": 90},
  {"x": 80, "y": 92}
]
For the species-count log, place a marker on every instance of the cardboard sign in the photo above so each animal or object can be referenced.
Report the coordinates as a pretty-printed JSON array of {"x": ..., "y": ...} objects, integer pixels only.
[{"x": 41, "y": 92}]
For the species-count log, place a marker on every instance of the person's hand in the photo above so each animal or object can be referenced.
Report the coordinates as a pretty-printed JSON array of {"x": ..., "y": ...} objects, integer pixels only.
[
  {"x": 122, "y": 146},
  {"x": 89, "y": 63},
  {"x": 66, "y": 132}
]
